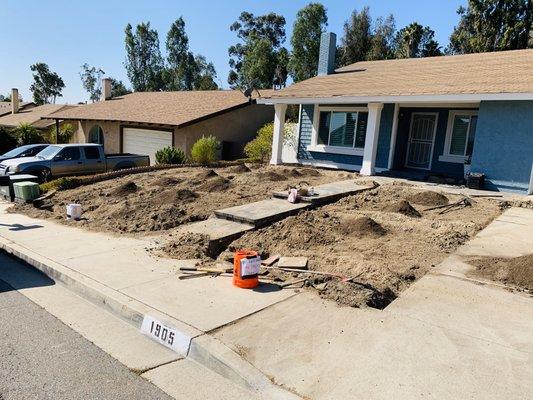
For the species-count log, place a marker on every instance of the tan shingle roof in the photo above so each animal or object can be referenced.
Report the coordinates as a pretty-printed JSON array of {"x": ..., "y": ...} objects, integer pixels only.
[
  {"x": 163, "y": 108},
  {"x": 34, "y": 116},
  {"x": 484, "y": 73}
]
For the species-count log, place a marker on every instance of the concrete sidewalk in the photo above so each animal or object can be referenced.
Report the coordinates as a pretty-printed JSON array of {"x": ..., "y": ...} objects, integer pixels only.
[
  {"x": 448, "y": 336},
  {"x": 118, "y": 274}
]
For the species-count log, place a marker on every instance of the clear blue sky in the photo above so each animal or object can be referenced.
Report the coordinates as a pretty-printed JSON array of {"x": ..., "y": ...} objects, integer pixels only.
[{"x": 67, "y": 33}]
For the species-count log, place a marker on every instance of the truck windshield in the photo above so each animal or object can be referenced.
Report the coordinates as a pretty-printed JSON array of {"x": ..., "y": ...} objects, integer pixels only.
[{"x": 49, "y": 152}]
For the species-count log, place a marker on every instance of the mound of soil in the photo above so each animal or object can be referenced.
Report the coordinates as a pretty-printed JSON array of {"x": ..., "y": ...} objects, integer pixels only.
[
  {"x": 403, "y": 207},
  {"x": 214, "y": 184},
  {"x": 168, "y": 216},
  {"x": 206, "y": 174},
  {"x": 239, "y": 169},
  {"x": 361, "y": 226},
  {"x": 172, "y": 196},
  {"x": 271, "y": 176},
  {"x": 511, "y": 271},
  {"x": 309, "y": 172},
  {"x": 187, "y": 246},
  {"x": 428, "y": 198},
  {"x": 167, "y": 181},
  {"x": 185, "y": 195},
  {"x": 124, "y": 189}
]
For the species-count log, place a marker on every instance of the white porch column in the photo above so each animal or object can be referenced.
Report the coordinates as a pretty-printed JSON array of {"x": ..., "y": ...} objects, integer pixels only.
[
  {"x": 279, "y": 127},
  {"x": 371, "y": 140}
]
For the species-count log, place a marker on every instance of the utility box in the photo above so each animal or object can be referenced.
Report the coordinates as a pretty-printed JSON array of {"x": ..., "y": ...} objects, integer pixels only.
[
  {"x": 6, "y": 184},
  {"x": 26, "y": 191},
  {"x": 475, "y": 181}
]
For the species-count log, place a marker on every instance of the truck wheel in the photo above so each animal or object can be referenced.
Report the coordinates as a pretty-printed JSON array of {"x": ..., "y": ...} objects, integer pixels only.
[{"x": 43, "y": 175}]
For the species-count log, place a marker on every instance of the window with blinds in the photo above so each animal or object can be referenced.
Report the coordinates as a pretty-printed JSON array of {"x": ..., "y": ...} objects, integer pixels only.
[
  {"x": 342, "y": 129},
  {"x": 462, "y": 136}
]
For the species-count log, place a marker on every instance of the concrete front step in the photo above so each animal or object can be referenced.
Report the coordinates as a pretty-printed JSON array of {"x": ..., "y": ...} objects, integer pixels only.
[
  {"x": 329, "y": 192},
  {"x": 261, "y": 213}
]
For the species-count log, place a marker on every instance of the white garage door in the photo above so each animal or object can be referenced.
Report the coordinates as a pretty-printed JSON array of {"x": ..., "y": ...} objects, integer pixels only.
[{"x": 145, "y": 141}]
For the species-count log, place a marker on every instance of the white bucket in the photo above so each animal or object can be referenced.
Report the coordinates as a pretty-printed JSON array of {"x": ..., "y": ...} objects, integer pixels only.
[{"x": 74, "y": 211}]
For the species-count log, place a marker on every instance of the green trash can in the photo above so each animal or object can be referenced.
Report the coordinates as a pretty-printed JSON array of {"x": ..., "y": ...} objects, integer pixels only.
[{"x": 26, "y": 191}]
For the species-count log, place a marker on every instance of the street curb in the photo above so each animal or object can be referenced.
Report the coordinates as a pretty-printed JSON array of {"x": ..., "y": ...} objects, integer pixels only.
[
  {"x": 201, "y": 347},
  {"x": 218, "y": 357},
  {"x": 118, "y": 304}
]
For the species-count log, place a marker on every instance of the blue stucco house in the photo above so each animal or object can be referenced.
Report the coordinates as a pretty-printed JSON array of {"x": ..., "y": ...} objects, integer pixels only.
[{"x": 425, "y": 116}]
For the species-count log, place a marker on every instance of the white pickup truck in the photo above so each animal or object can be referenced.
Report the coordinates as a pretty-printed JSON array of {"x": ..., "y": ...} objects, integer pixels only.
[{"x": 70, "y": 160}]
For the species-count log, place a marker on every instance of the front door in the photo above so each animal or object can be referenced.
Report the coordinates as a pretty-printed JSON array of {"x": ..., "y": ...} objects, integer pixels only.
[{"x": 421, "y": 140}]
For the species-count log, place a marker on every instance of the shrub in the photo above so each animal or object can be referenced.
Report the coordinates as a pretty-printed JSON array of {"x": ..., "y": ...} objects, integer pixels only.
[
  {"x": 260, "y": 148},
  {"x": 170, "y": 155},
  {"x": 65, "y": 134},
  {"x": 8, "y": 140},
  {"x": 28, "y": 134},
  {"x": 205, "y": 150}
]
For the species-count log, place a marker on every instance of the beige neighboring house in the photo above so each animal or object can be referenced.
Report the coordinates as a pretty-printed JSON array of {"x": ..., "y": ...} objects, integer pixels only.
[
  {"x": 144, "y": 122},
  {"x": 29, "y": 113}
]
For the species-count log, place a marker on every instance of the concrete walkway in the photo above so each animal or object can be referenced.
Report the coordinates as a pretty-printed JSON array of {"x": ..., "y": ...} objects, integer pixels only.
[
  {"x": 228, "y": 224},
  {"x": 446, "y": 337}
]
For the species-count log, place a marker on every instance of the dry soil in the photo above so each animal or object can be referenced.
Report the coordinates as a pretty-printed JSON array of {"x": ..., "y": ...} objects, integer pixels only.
[
  {"x": 517, "y": 272},
  {"x": 163, "y": 200},
  {"x": 383, "y": 239}
]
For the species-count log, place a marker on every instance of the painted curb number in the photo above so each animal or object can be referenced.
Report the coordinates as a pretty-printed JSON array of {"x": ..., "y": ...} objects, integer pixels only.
[{"x": 165, "y": 335}]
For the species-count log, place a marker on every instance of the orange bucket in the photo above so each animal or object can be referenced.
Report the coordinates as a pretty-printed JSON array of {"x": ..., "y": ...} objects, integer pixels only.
[{"x": 246, "y": 264}]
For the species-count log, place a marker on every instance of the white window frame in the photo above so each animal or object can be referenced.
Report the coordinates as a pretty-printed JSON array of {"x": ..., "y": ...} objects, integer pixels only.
[
  {"x": 322, "y": 148},
  {"x": 455, "y": 158}
]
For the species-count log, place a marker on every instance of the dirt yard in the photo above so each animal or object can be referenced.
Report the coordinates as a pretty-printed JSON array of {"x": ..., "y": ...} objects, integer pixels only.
[
  {"x": 163, "y": 200},
  {"x": 383, "y": 239},
  {"x": 516, "y": 272}
]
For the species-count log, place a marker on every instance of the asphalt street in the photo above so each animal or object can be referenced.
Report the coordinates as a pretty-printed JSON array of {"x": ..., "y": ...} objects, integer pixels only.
[{"x": 42, "y": 358}]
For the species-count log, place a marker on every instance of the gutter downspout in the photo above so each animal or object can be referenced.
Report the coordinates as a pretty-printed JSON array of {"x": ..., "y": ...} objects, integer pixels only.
[{"x": 57, "y": 130}]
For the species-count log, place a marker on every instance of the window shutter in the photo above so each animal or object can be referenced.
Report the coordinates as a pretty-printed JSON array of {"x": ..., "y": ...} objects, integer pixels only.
[
  {"x": 323, "y": 128},
  {"x": 361, "y": 130}
]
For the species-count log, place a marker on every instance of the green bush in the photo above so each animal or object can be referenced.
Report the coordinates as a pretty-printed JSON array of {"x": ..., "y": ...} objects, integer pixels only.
[
  {"x": 66, "y": 131},
  {"x": 61, "y": 184},
  {"x": 260, "y": 148},
  {"x": 170, "y": 155},
  {"x": 28, "y": 134},
  {"x": 205, "y": 150},
  {"x": 8, "y": 140}
]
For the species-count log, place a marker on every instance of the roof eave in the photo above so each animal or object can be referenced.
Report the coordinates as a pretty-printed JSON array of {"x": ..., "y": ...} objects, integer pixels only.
[
  {"x": 425, "y": 98},
  {"x": 180, "y": 125}
]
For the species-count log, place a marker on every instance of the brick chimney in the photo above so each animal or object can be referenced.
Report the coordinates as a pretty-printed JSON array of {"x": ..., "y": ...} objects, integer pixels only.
[
  {"x": 106, "y": 89},
  {"x": 328, "y": 50},
  {"x": 14, "y": 101}
]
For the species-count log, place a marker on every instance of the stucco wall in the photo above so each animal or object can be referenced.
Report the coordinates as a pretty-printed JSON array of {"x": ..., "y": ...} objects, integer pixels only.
[
  {"x": 503, "y": 147},
  {"x": 236, "y": 128},
  {"x": 111, "y": 134}
]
